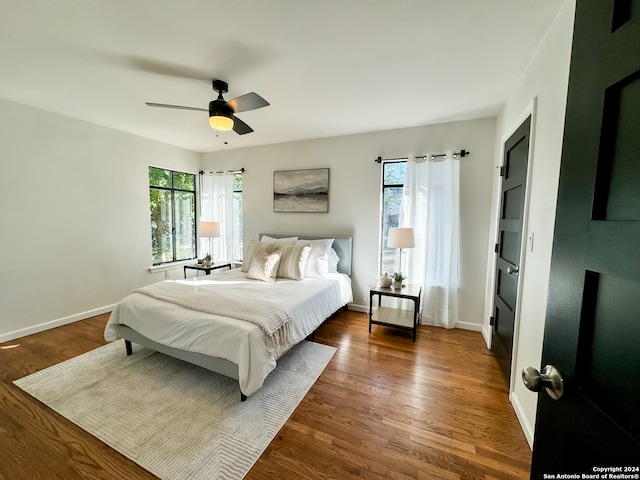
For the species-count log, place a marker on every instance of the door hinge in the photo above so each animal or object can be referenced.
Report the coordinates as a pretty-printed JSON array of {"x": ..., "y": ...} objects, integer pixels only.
[
  {"x": 501, "y": 171},
  {"x": 496, "y": 249},
  {"x": 492, "y": 320}
]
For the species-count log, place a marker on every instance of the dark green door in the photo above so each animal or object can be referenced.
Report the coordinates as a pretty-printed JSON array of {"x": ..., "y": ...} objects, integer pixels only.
[
  {"x": 592, "y": 329},
  {"x": 514, "y": 182}
]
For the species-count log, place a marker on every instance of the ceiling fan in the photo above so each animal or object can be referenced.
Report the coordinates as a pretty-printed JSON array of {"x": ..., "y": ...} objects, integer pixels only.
[{"x": 221, "y": 112}]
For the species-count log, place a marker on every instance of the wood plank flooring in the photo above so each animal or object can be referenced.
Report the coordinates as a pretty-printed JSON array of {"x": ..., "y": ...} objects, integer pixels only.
[{"x": 385, "y": 407}]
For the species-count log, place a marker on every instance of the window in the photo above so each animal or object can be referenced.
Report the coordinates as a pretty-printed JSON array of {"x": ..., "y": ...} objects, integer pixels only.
[
  {"x": 237, "y": 217},
  {"x": 172, "y": 198},
  {"x": 393, "y": 174}
]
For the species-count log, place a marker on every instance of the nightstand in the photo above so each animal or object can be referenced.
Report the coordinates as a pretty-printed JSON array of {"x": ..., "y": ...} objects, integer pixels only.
[
  {"x": 394, "y": 317},
  {"x": 207, "y": 269}
]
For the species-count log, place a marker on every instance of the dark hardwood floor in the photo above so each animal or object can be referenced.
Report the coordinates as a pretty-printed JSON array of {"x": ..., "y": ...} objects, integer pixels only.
[{"x": 385, "y": 407}]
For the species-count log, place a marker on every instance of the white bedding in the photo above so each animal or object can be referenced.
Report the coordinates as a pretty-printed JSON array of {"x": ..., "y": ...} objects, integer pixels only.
[{"x": 309, "y": 301}]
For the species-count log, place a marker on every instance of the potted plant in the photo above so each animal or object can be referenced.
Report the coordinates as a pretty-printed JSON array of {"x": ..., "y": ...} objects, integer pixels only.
[
  {"x": 207, "y": 260},
  {"x": 397, "y": 279}
]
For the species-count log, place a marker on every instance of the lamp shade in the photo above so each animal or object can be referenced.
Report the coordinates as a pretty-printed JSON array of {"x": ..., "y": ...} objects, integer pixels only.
[
  {"x": 401, "y": 238},
  {"x": 220, "y": 122},
  {"x": 210, "y": 229}
]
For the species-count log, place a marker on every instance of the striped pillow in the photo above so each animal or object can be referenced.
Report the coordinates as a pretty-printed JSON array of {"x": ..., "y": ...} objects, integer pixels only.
[
  {"x": 264, "y": 266},
  {"x": 253, "y": 249},
  {"x": 293, "y": 261}
]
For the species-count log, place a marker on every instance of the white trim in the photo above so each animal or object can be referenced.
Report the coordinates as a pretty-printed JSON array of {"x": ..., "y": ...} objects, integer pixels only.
[
  {"x": 530, "y": 110},
  {"x": 527, "y": 428},
  {"x": 469, "y": 326},
  {"x": 486, "y": 333},
  {"x": 171, "y": 266},
  {"x": 23, "y": 332},
  {"x": 358, "y": 308},
  {"x": 461, "y": 325}
]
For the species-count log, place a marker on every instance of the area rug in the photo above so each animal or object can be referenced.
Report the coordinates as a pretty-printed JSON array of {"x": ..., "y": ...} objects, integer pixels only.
[{"x": 174, "y": 419}]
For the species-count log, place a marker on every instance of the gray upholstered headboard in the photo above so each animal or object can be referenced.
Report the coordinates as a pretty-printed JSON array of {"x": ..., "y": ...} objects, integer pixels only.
[{"x": 342, "y": 245}]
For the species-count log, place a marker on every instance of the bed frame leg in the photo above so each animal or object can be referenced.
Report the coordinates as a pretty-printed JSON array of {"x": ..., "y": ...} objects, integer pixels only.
[
  {"x": 243, "y": 397},
  {"x": 127, "y": 345}
]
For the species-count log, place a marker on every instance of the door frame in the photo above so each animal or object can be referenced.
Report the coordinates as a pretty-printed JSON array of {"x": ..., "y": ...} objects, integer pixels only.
[{"x": 527, "y": 237}]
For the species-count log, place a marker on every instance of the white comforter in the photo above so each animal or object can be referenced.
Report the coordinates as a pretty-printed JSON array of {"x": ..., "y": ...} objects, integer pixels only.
[{"x": 309, "y": 301}]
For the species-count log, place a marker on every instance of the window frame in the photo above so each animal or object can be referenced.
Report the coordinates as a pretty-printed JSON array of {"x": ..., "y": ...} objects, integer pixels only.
[
  {"x": 174, "y": 220},
  {"x": 383, "y": 188},
  {"x": 237, "y": 235}
]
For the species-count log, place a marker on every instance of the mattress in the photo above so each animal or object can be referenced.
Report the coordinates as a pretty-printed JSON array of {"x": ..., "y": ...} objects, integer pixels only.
[{"x": 309, "y": 302}]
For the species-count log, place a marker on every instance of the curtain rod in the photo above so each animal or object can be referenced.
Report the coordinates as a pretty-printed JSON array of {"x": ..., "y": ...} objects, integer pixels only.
[
  {"x": 221, "y": 172},
  {"x": 462, "y": 153}
]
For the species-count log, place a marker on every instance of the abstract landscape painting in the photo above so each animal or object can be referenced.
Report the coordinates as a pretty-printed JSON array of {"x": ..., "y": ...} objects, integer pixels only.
[{"x": 301, "y": 190}]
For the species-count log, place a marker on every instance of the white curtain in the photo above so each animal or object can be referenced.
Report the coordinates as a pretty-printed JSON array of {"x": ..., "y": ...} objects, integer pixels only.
[
  {"x": 430, "y": 204},
  {"x": 216, "y": 205}
]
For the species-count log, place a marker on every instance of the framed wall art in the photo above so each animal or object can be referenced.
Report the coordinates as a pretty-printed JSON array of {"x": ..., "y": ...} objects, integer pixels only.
[{"x": 302, "y": 191}]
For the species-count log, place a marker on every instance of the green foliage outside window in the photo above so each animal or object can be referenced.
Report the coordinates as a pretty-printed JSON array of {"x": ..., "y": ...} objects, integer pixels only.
[
  {"x": 393, "y": 175},
  {"x": 172, "y": 197}
]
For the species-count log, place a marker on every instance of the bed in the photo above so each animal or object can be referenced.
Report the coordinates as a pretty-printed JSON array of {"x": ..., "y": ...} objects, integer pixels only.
[{"x": 235, "y": 325}]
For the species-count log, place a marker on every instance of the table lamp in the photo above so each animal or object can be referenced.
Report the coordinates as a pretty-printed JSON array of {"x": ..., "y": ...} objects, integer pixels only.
[
  {"x": 401, "y": 237},
  {"x": 209, "y": 230}
]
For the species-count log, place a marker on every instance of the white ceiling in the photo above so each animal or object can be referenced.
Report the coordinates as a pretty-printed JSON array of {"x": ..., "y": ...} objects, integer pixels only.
[{"x": 328, "y": 67}]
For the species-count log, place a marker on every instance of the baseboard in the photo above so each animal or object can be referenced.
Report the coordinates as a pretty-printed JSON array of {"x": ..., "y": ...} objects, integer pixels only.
[
  {"x": 23, "y": 332},
  {"x": 358, "y": 308},
  {"x": 469, "y": 326},
  {"x": 527, "y": 428},
  {"x": 462, "y": 325}
]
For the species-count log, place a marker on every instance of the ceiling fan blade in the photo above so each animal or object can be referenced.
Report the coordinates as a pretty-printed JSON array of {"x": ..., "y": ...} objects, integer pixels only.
[
  {"x": 178, "y": 107},
  {"x": 240, "y": 127},
  {"x": 248, "y": 101}
]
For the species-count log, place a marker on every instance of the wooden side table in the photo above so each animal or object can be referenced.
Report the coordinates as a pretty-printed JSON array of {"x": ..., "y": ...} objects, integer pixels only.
[
  {"x": 394, "y": 317},
  {"x": 205, "y": 268}
]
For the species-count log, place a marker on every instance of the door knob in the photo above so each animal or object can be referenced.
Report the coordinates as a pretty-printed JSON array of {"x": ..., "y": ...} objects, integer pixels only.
[
  {"x": 550, "y": 379},
  {"x": 511, "y": 270}
]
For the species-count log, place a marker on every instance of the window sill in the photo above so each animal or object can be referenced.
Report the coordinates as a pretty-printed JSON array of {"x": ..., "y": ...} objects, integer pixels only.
[{"x": 171, "y": 266}]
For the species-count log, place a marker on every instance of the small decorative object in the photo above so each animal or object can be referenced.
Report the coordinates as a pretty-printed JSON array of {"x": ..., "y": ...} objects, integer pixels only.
[
  {"x": 397, "y": 280},
  {"x": 207, "y": 260},
  {"x": 385, "y": 280}
]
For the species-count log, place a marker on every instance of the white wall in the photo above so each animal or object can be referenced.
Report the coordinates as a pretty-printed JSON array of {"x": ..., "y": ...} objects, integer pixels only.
[
  {"x": 74, "y": 216},
  {"x": 354, "y": 195},
  {"x": 545, "y": 80}
]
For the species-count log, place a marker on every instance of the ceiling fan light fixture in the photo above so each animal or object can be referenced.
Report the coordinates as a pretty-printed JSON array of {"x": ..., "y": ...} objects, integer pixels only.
[
  {"x": 221, "y": 122},
  {"x": 220, "y": 115}
]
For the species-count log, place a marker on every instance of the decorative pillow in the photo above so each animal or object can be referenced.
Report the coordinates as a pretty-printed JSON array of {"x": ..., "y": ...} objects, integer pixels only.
[
  {"x": 318, "y": 249},
  {"x": 264, "y": 266},
  {"x": 293, "y": 261},
  {"x": 254, "y": 248},
  {"x": 279, "y": 241}
]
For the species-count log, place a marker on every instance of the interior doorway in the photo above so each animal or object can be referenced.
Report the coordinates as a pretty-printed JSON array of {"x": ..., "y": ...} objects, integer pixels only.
[{"x": 509, "y": 245}]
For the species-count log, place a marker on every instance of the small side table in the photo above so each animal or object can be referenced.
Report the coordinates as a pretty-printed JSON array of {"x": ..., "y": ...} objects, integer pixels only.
[
  {"x": 207, "y": 268},
  {"x": 394, "y": 317}
]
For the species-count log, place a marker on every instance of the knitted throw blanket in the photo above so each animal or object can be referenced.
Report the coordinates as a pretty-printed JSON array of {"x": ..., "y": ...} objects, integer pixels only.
[{"x": 273, "y": 319}]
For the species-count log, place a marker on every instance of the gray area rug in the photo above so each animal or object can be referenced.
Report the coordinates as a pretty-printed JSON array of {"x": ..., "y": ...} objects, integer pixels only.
[{"x": 174, "y": 419}]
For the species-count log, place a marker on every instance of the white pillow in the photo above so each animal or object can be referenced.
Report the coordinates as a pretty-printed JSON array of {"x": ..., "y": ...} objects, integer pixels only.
[
  {"x": 328, "y": 263},
  {"x": 264, "y": 267},
  {"x": 293, "y": 261},
  {"x": 333, "y": 261},
  {"x": 318, "y": 249},
  {"x": 323, "y": 265},
  {"x": 279, "y": 241}
]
